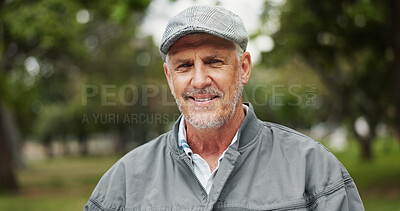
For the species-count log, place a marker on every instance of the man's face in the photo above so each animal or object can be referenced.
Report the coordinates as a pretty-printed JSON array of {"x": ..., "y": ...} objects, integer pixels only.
[{"x": 205, "y": 78}]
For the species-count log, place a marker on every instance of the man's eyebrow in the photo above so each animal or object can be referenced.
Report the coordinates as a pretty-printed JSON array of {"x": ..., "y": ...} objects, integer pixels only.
[
  {"x": 213, "y": 56},
  {"x": 182, "y": 61}
]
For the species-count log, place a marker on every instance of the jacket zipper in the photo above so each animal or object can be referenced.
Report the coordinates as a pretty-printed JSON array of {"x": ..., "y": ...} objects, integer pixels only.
[{"x": 194, "y": 174}]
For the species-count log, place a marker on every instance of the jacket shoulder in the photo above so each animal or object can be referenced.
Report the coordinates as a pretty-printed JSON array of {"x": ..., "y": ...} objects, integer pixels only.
[
  {"x": 110, "y": 192},
  {"x": 321, "y": 167},
  {"x": 297, "y": 143},
  {"x": 322, "y": 173}
]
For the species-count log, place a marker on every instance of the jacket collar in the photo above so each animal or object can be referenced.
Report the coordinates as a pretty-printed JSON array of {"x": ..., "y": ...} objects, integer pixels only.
[{"x": 248, "y": 130}]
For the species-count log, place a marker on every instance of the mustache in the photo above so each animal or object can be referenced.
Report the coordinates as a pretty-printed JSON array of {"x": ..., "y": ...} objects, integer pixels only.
[{"x": 206, "y": 90}]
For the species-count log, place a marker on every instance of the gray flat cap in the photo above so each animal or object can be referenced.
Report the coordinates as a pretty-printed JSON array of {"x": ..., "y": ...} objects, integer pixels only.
[{"x": 209, "y": 19}]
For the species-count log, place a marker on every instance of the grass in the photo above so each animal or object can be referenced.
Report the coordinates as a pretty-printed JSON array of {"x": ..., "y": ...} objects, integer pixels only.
[
  {"x": 66, "y": 183},
  {"x": 378, "y": 181},
  {"x": 57, "y": 184}
]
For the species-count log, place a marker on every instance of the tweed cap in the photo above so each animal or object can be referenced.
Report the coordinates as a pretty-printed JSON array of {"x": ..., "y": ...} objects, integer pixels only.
[{"x": 209, "y": 19}]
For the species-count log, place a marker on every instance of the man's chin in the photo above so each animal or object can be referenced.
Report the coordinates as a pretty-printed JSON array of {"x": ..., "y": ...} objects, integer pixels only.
[
  {"x": 201, "y": 107},
  {"x": 196, "y": 109},
  {"x": 206, "y": 119},
  {"x": 205, "y": 123}
]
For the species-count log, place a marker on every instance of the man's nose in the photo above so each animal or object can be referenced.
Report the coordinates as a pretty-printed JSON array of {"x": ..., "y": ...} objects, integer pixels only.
[{"x": 200, "y": 77}]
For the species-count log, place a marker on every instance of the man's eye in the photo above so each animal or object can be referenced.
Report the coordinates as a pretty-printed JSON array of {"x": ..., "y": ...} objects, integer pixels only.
[
  {"x": 214, "y": 61},
  {"x": 183, "y": 67}
]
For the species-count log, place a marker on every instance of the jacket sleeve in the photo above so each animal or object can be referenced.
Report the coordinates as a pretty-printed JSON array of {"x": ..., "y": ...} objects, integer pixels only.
[
  {"x": 344, "y": 199},
  {"x": 92, "y": 206},
  {"x": 339, "y": 195},
  {"x": 329, "y": 186},
  {"x": 109, "y": 193}
]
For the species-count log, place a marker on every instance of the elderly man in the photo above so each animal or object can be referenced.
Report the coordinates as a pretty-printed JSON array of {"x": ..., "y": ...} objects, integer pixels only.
[{"x": 219, "y": 156}]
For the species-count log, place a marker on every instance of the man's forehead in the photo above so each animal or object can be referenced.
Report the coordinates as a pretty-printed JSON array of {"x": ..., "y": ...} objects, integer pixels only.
[{"x": 193, "y": 41}]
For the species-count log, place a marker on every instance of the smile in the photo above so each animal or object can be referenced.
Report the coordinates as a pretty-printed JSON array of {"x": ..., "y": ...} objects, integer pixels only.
[{"x": 203, "y": 99}]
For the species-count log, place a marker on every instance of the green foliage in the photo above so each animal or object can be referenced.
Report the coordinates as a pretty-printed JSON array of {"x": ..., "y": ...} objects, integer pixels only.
[
  {"x": 49, "y": 23},
  {"x": 347, "y": 45},
  {"x": 121, "y": 11},
  {"x": 291, "y": 95},
  {"x": 64, "y": 55}
]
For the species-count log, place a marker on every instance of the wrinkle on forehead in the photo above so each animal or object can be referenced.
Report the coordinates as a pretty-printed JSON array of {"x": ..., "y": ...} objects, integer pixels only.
[{"x": 198, "y": 40}]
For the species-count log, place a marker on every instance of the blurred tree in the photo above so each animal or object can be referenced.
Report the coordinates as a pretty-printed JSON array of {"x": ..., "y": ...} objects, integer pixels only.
[
  {"x": 353, "y": 46},
  {"x": 30, "y": 31},
  {"x": 279, "y": 96},
  {"x": 46, "y": 48},
  {"x": 394, "y": 20},
  {"x": 7, "y": 174}
]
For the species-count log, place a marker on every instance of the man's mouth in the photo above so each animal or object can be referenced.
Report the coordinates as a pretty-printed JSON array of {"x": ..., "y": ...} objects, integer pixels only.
[{"x": 203, "y": 99}]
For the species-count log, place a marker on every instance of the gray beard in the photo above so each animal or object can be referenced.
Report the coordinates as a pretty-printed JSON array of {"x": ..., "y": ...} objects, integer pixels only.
[{"x": 214, "y": 122}]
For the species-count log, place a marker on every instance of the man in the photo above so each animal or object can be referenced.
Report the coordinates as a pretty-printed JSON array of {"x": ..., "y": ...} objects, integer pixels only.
[{"x": 219, "y": 156}]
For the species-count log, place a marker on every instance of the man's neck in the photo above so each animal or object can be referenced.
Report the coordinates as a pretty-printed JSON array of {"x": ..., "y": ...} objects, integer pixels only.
[{"x": 211, "y": 143}]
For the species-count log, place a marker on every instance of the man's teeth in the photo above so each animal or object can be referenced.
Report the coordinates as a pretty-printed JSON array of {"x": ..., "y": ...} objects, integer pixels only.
[{"x": 203, "y": 99}]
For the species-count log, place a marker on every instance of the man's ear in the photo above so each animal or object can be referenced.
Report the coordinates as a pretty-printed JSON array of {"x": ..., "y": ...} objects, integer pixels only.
[
  {"x": 245, "y": 64},
  {"x": 168, "y": 76}
]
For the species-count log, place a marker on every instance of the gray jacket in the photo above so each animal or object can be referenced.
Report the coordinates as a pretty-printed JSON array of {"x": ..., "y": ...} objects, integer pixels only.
[{"x": 270, "y": 167}]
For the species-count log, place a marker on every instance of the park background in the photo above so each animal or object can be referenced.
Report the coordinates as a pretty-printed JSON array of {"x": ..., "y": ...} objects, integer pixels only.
[{"x": 81, "y": 84}]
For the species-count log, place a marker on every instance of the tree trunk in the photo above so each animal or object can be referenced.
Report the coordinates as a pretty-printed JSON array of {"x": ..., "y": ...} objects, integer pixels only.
[
  {"x": 83, "y": 144},
  {"x": 47, "y": 141},
  {"x": 365, "y": 144},
  {"x": 394, "y": 10},
  {"x": 8, "y": 181},
  {"x": 120, "y": 142},
  {"x": 366, "y": 148}
]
